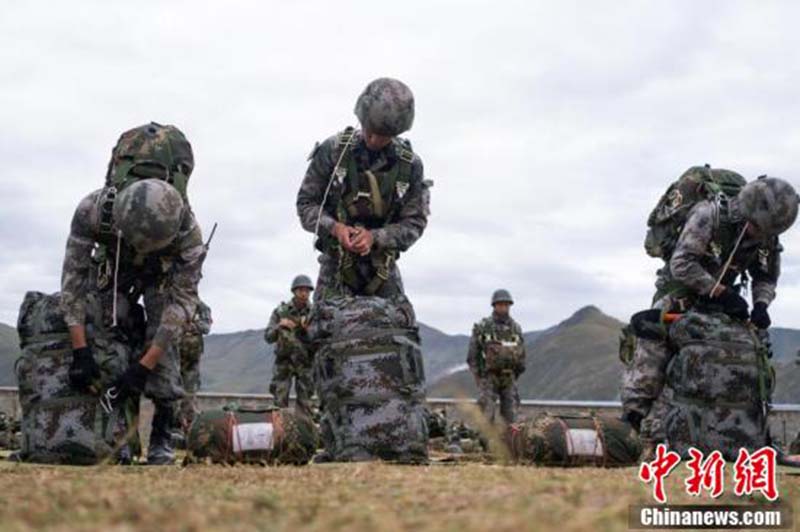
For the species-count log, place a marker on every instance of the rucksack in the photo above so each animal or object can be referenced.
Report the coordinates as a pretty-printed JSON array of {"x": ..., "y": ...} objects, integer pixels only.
[{"x": 698, "y": 183}]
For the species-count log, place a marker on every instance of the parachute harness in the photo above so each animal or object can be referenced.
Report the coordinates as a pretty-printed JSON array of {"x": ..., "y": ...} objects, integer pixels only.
[{"x": 333, "y": 177}]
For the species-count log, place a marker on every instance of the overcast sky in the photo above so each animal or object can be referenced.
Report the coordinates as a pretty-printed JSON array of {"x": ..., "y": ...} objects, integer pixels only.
[{"x": 549, "y": 128}]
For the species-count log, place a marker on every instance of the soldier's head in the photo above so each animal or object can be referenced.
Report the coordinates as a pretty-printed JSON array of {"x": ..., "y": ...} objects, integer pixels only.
[
  {"x": 301, "y": 288},
  {"x": 153, "y": 151},
  {"x": 148, "y": 214},
  {"x": 502, "y": 301},
  {"x": 769, "y": 205},
  {"x": 385, "y": 109}
]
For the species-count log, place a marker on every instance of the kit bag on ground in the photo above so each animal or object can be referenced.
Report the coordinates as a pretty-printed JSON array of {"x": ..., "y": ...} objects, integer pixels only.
[
  {"x": 252, "y": 434},
  {"x": 574, "y": 440},
  {"x": 59, "y": 424},
  {"x": 370, "y": 379},
  {"x": 721, "y": 383}
]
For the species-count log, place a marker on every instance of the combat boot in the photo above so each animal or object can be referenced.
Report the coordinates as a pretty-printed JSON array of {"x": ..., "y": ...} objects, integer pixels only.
[{"x": 161, "y": 450}]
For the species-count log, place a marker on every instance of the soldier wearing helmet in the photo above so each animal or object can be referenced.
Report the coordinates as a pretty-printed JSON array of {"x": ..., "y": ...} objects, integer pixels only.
[
  {"x": 288, "y": 330},
  {"x": 496, "y": 359},
  {"x": 364, "y": 196},
  {"x": 136, "y": 238}
]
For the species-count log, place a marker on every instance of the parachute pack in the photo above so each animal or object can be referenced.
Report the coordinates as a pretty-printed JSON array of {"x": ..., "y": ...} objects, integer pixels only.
[
  {"x": 252, "y": 434},
  {"x": 698, "y": 183}
]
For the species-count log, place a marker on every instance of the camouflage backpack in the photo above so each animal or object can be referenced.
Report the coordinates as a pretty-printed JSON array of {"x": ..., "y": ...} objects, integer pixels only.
[
  {"x": 59, "y": 424},
  {"x": 504, "y": 350},
  {"x": 698, "y": 183},
  {"x": 252, "y": 434},
  {"x": 574, "y": 440}
]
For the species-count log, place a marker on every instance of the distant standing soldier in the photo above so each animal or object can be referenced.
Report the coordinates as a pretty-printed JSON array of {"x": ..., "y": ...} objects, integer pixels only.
[
  {"x": 364, "y": 196},
  {"x": 496, "y": 358},
  {"x": 191, "y": 349},
  {"x": 288, "y": 329}
]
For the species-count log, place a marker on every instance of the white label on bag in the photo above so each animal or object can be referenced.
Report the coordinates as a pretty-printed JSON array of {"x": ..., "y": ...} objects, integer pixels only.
[
  {"x": 583, "y": 442},
  {"x": 252, "y": 437}
]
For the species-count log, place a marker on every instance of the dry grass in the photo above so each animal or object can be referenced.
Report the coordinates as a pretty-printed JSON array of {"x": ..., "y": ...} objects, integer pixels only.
[{"x": 352, "y": 497}]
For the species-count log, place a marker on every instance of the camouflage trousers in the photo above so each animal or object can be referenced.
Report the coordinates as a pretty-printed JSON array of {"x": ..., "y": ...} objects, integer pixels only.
[
  {"x": 329, "y": 283},
  {"x": 503, "y": 389},
  {"x": 643, "y": 387},
  {"x": 190, "y": 349},
  {"x": 284, "y": 373}
]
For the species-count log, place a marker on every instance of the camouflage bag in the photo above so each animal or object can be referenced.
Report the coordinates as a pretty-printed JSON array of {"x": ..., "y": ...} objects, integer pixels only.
[
  {"x": 370, "y": 379},
  {"x": 667, "y": 219},
  {"x": 59, "y": 424},
  {"x": 721, "y": 383},
  {"x": 252, "y": 434},
  {"x": 574, "y": 440}
]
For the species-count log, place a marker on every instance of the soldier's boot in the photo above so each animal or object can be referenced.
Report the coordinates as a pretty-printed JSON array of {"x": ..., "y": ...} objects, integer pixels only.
[{"x": 161, "y": 450}]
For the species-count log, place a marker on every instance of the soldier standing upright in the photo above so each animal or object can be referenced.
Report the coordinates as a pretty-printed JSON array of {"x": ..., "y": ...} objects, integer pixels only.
[
  {"x": 364, "y": 196},
  {"x": 137, "y": 238},
  {"x": 496, "y": 358},
  {"x": 288, "y": 330}
]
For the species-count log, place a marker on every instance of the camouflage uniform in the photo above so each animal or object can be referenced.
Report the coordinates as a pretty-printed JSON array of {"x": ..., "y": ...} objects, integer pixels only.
[
  {"x": 380, "y": 190},
  {"x": 293, "y": 356},
  {"x": 496, "y": 385},
  {"x": 190, "y": 349},
  {"x": 167, "y": 280}
]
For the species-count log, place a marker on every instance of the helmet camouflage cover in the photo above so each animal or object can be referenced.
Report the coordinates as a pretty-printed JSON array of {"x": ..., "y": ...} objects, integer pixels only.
[
  {"x": 386, "y": 107},
  {"x": 502, "y": 296},
  {"x": 770, "y": 204},
  {"x": 148, "y": 213},
  {"x": 302, "y": 281}
]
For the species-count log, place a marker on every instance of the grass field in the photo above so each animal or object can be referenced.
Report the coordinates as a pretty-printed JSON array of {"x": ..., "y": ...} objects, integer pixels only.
[{"x": 352, "y": 497}]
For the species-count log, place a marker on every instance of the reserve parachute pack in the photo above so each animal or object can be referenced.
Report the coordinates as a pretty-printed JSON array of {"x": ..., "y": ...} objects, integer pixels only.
[
  {"x": 721, "y": 383},
  {"x": 61, "y": 425},
  {"x": 252, "y": 434},
  {"x": 370, "y": 379},
  {"x": 504, "y": 351},
  {"x": 573, "y": 440},
  {"x": 698, "y": 183}
]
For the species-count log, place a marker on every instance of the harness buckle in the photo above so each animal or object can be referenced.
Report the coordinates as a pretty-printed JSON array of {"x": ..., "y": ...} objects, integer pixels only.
[{"x": 108, "y": 398}]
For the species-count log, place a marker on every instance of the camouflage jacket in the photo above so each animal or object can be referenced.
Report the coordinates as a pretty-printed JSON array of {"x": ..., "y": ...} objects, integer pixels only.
[
  {"x": 171, "y": 274},
  {"x": 407, "y": 222},
  {"x": 492, "y": 328},
  {"x": 707, "y": 239},
  {"x": 287, "y": 340}
]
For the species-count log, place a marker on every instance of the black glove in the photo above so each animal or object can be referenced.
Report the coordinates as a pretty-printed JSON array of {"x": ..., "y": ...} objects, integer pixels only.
[
  {"x": 84, "y": 371},
  {"x": 634, "y": 419},
  {"x": 731, "y": 304},
  {"x": 132, "y": 382},
  {"x": 760, "y": 317}
]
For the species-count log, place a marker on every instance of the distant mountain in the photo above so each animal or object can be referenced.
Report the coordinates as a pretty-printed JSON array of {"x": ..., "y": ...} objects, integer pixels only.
[{"x": 576, "y": 359}]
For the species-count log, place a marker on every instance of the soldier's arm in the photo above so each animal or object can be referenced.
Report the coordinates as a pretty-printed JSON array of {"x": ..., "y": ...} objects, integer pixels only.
[
  {"x": 521, "y": 368},
  {"x": 412, "y": 217},
  {"x": 312, "y": 189},
  {"x": 271, "y": 332},
  {"x": 181, "y": 287},
  {"x": 475, "y": 350},
  {"x": 77, "y": 267},
  {"x": 692, "y": 245},
  {"x": 765, "y": 274}
]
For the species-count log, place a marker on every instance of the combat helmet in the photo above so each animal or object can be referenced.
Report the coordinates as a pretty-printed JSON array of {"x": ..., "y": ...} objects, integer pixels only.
[
  {"x": 770, "y": 204},
  {"x": 302, "y": 281},
  {"x": 386, "y": 107},
  {"x": 148, "y": 214},
  {"x": 151, "y": 151},
  {"x": 502, "y": 296}
]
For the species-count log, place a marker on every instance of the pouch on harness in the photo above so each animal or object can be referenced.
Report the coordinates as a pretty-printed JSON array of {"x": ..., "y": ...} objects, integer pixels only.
[
  {"x": 59, "y": 424},
  {"x": 574, "y": 440},
  {"x": 503, "y": 356},
  {"x": 721, "y": 383},
  {"x": 370, "y": 379},
  {"x": 667, "y": 219},
  {"x": 254, "y": 434}
]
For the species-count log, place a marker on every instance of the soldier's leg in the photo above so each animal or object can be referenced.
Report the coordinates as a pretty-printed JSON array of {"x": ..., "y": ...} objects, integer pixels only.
[
  {"x": 487, "y": 398},
  {"x": 304, "y": 388},
  {"x": 643, "y": 380},
  {"x": 191, "y": 349},
  {"x": 509, "y": 398},
  {"x": 281, "y": 383}
]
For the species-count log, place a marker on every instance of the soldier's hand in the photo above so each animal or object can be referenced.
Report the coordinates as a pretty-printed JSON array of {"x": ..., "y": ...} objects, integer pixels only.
[
  {"x": 732, "y": 304},
  {"x": 759, "y": 316},
  {"x": 132, "y": 381},
  {"x": 287, "y": 323},
  {"x": 83, "y": 371},
  {"x": 362, "y": 243},
  {"x": 343, "y": 234}
]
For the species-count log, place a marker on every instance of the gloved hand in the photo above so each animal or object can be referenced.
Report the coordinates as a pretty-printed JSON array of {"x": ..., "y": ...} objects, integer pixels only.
[
  {"x": 83, "y": 371},
  {"x": 634, "y": 419},
  {"x": 132, "y": 382},
  {"x": 732, "y": 304},
  {"x": 760, "y": 317}
]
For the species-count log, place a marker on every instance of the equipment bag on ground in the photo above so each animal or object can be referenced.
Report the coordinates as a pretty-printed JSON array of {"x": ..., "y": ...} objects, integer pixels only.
[
  {"x": 61, "y": 425},
  {"x": 252, "y": 434},
  {"x": 721, "y": 381},
  {"x": 574, "y": 440},
  {"x": 370, "y": 380}
]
